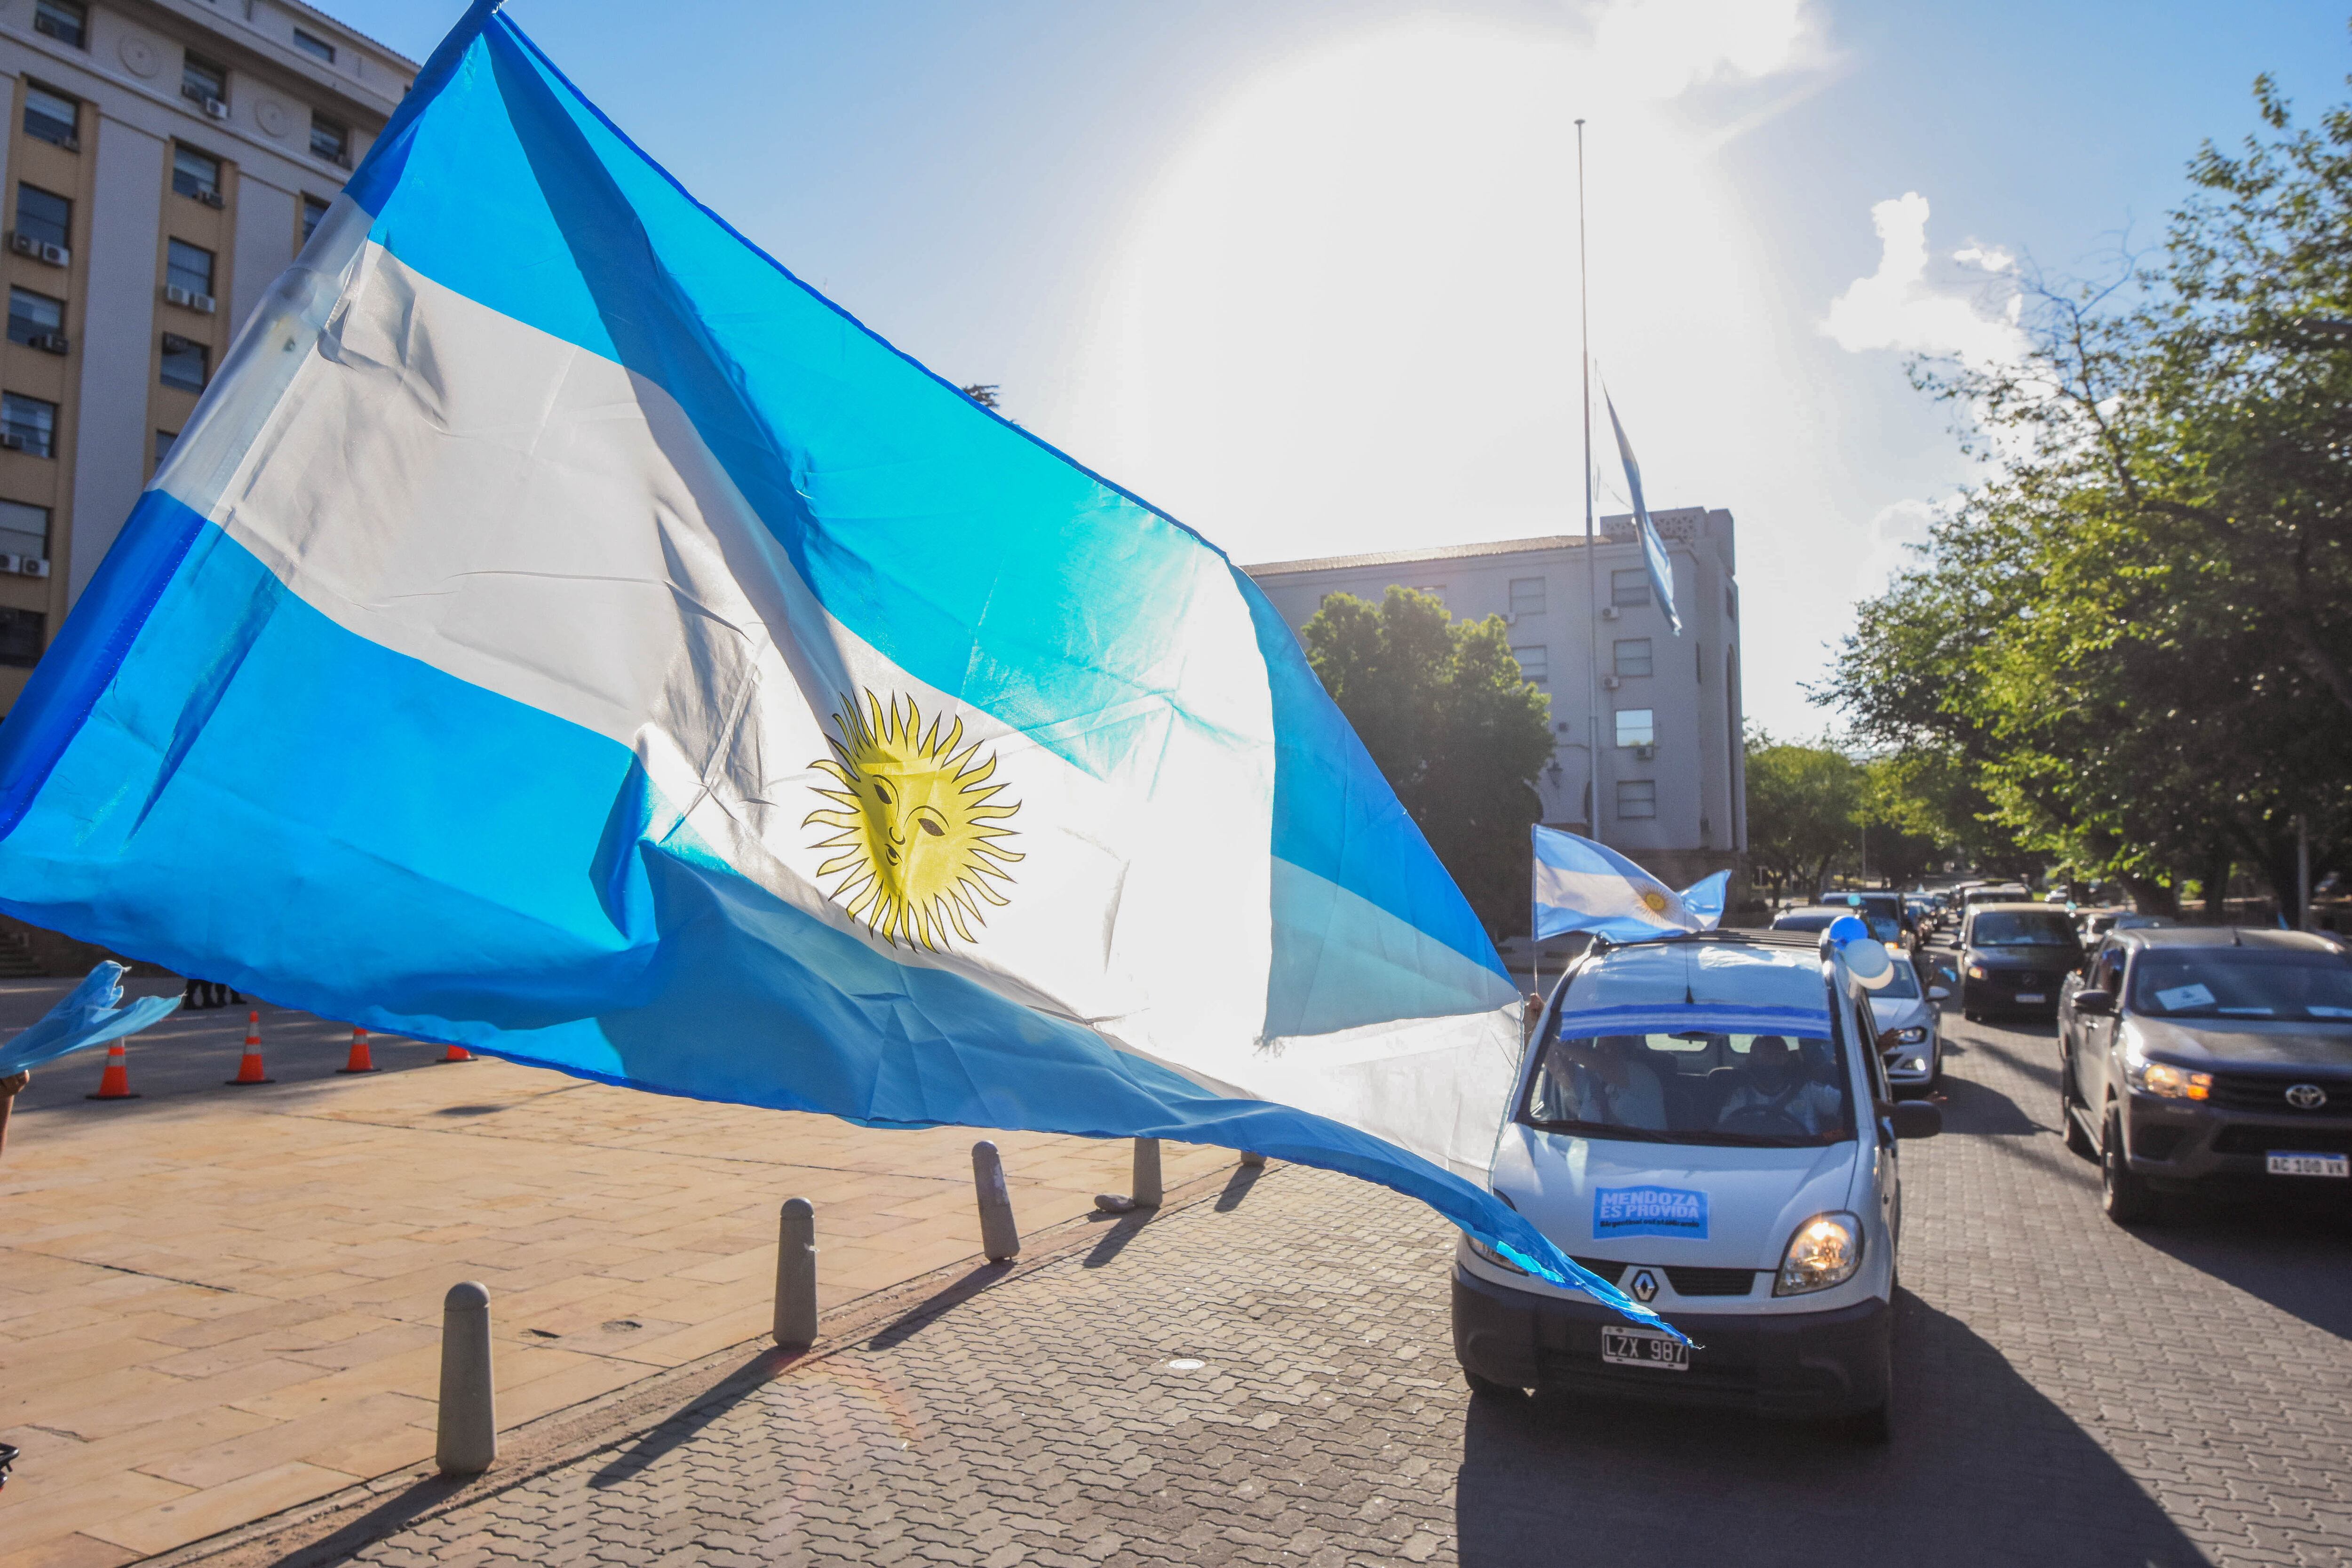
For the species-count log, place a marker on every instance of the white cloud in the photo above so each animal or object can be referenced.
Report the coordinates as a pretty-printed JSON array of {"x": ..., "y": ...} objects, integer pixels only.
[
  {"x": 1662, "y": 48},
  {"x": 1900, "y": 307},
  {"x": 1887, "y": 546}
]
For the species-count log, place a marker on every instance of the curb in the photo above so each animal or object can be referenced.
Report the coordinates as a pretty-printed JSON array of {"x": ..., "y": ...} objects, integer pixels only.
[{"x": 328, "y": 1529}]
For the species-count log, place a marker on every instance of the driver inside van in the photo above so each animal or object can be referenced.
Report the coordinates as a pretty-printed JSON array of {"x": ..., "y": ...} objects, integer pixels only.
[
  {"x": 1774, "y": 1079},
  {"x": 1606, "y": 1084}
]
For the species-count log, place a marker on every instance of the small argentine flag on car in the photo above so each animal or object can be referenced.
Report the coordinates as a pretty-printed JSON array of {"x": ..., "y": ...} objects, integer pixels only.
[
  {"x": 562, "y": 633},
  {"x": 1581, "y": 885}
]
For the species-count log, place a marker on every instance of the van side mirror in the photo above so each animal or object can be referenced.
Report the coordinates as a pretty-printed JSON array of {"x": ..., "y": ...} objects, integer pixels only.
[
  {"x": 1916, "y": 1119},
  {"x": 2098, "y": 1004}
]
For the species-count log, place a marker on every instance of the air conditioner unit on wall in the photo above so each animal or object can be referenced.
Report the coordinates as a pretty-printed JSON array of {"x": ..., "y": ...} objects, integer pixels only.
[
  {"x": 216, "y": 109},
  {"x": 32, "y": 566},
  {"x": 49, "y": 342},
  {"x": 211, "y": 198},
  {"x": 1645, "y": 753},
  {"x": 10, "y": 563},
  {"x": 1607, "y": 612},
  {"x": 11, "y": 442},
  {"x": 1610, "y": 683},
  {"x": 176, "y": 295}
]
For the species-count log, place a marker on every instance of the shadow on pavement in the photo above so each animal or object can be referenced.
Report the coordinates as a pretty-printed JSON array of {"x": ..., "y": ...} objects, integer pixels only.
[
  {"x": 1121, "y": 1232},
  {"x": 1970, "y": 1108},
  {"x": 1237, "y": 1186},
  {"x": 2038, "y": 1060},
  {"x": 1982, "y": 1469},
  {"x": 683, "y": 1428},
  {"x": 908, "y": 1323},
  {"x": 2296, "y": 1258}
]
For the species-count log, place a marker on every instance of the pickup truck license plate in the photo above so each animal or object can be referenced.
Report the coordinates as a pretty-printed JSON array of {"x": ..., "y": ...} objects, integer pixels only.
[
  {"x": 2033, "y": 996},
  {"x": 1644, "y": 1347},
  {"x": 2284, "y": 1162}
]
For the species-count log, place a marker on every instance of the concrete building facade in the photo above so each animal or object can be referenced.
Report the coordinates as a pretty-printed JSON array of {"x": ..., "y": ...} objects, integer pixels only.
[
  {"x": 1671, "y": 785},
  {"x": 165, "y": 161}
]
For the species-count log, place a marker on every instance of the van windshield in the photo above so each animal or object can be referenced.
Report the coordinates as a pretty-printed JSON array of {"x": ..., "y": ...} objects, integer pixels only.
[{"x": 1765, "y": 1090}]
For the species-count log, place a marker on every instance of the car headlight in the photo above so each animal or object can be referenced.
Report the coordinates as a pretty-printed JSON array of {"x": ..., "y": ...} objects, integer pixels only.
[
  {"x": 1488, "y": 1255},
  {"x": 2164, "y": 1081},
  {"x": 1912, "y": 1035},
  {"x": 1825, "y": 1251}
]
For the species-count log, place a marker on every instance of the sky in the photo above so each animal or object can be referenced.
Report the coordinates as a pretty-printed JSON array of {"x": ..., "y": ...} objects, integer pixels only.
[{"x": 1303, "y": 273}]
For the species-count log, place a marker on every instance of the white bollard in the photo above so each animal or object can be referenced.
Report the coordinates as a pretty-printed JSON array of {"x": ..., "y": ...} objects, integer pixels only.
[
  {"x": 469, "y": 1436},
  {"x": 999, "y": 1237},
  {"x": 1145, "y": 1187},
  {"x": 797, "y": 1275}
]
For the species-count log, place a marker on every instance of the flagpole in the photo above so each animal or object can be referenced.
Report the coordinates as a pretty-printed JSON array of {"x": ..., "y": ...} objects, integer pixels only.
[{"x": 1591, "y": 566}]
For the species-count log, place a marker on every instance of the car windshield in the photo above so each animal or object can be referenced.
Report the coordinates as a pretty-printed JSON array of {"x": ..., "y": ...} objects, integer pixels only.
[
  {"x": 1693, "y": 1087},
  {"x": 2242, "y": 982},
  {"x": 2021, "y": 928},
  {"x": 1902, "y": 981}
]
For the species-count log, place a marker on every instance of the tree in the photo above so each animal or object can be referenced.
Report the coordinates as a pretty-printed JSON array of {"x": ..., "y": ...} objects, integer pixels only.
[
  {"x": 2135, "y": 637},
  {"x": 1453, "y": 725},
  {"x": 1804, "y": 806}
]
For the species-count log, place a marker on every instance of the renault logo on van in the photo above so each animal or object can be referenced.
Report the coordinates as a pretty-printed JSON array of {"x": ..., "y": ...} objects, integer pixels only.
[
  {"x": 2306, "y": 1097},
  {"x": 1646, "y": 1285}
]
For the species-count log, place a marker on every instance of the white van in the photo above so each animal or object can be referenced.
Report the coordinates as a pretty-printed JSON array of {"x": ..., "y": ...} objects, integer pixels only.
[{"x": 1705, "y": 1121}]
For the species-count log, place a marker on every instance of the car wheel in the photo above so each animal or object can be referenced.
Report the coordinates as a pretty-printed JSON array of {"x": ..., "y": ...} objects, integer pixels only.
[
  {"x": 1487, "y": 1388},
  {"x": 2126, "y": 1198},
  {"x": 2077, "y": 1141}
]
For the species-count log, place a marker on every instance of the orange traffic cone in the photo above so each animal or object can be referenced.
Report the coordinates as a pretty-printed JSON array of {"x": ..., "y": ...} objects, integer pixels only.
[
  {"x": 248, "y": 1071},
  {"x": 456, "y": 1054},
  {"x": 361, "y": 1061},
  {"x": 114, "y": 1083}
]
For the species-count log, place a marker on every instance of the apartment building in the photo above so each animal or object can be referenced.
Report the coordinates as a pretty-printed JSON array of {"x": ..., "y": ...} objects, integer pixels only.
[
  {"x": 1666, "y": 776},
  {"x": 165, "y": 159}
]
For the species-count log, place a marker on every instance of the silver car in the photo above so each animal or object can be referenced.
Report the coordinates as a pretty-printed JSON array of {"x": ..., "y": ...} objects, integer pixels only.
[{"x": 1910, "y": 1029}]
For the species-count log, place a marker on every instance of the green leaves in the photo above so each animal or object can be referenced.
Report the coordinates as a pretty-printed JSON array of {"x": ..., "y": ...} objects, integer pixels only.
[{"x": 1453, "y": 725}]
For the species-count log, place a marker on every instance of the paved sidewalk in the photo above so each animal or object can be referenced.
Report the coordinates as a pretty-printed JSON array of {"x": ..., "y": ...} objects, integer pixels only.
[
  {"x": 218, "y": 1304},
  {"x": 1269, "y": 1380}
]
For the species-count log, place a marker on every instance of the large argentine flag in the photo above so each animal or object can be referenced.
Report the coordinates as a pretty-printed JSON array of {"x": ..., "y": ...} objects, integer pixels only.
[
  {"x": 1654, "y": 548},
  {"x": 1581, "y": 885},
  {"x": 562, "y": 633}
]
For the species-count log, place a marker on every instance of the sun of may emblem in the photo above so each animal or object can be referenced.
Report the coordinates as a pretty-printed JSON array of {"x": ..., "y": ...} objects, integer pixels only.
[
  {"x": 917, "y": 826},
  {"x": 1653, "y": 900}
]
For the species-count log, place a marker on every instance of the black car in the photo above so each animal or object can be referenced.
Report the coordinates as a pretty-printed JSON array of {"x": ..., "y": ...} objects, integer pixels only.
[
  {"x": 2014, "y": 958},
  {"x": 2209, "y": 1056}
]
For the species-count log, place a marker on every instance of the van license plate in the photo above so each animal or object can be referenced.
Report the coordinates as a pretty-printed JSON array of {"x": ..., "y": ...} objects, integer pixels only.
[
  {"x": 2291, "y": 1164},
  {"x": 1644, "y": 1347},
  {"x": 2033, "y": 996}
]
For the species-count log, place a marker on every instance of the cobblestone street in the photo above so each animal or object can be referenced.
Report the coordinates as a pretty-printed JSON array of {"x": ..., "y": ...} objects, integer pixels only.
[{"x": 2068, "y": 1392}]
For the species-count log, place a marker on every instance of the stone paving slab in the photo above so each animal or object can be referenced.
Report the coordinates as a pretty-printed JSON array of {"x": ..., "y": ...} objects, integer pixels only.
[
  {"x": 218, "y": 1304},
  {"x": 2068, "y": 1392}
]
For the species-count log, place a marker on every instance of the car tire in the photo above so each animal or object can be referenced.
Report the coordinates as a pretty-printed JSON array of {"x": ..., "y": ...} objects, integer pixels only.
[
  {"x": 1487, "y": 1388},
  {"x": 2126, "y": 1198},
  {"x": 2077, "y": 1141}
]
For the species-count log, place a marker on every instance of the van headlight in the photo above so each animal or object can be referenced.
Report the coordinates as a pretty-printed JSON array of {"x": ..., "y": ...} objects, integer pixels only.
[
  {"x": 1488, "y": 1255},
  {"x": 1825, "y": 1251}
]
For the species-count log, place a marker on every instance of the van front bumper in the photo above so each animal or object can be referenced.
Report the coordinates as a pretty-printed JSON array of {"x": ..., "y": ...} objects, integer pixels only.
[{"x": 1830, "y": 1362}]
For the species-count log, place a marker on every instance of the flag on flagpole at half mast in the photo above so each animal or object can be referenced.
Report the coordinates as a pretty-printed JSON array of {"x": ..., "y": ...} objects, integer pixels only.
[
  {"x": 1654, "y": 548},
  {"x": 1583, "y": 886},
  {"x": 562, "y": 633}
]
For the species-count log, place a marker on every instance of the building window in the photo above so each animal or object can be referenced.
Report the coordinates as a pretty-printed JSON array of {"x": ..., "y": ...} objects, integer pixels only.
[
  {"x": 1527, "y": 597},
  {"x": 1535, "y": 661},
  {"x": 1633, "y": 655},
  {"x": 1629, "y": 586},
  {"x": 51, "y": 116},
  {"x": 313, "y": 211},
  {"x": 43, "y": 215},
  {"x": 165, "y": 441},
  {"x": 195, "y": 174},
  {"x": 67, "y": 21},
  {"x": 185, "y": 363},
  {"x": 331, "y": 139},
  {"x": 1434, "y": 590},
  {"x": 22, "y": 633},
  {"x": 316, "y": 47},
  {"x": 1637, "y": 797},
  {"x": 201, "y": 81},
  {"x": 1636, "y": 727},
  {"x": 188, "y": 267},
  {"x": 24, "y": 529},
  {"x": 30, "y": 423},
  {"x": 32, "y": 315}
]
